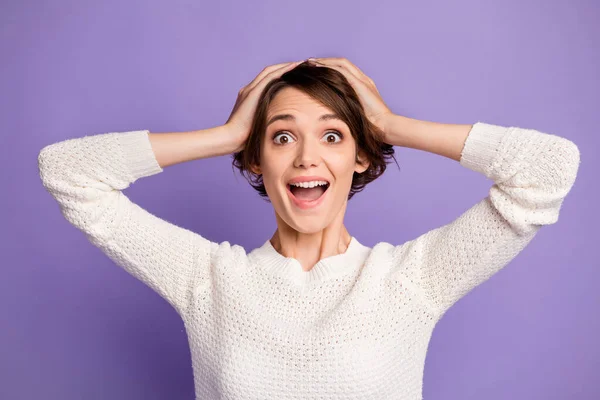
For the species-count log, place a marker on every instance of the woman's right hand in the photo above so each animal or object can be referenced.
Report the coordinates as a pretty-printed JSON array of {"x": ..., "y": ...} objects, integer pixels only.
[{"x": 240, "y": 120}]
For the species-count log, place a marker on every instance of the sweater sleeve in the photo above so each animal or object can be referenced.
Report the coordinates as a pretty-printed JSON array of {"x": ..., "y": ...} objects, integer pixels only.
[
  {"x": 532, "y": 172},
  {"x": 86, "y": 177}
]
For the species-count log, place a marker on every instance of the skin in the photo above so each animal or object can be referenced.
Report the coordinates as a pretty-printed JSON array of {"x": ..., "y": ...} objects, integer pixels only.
[
  {"x": 308, "y": 146},
  {"x": 311, "y": 235}
]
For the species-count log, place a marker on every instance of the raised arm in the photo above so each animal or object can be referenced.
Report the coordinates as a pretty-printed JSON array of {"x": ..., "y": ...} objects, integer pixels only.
[
  {"x": 532, "y": 173},
  {"x": 86, "y": 176}
]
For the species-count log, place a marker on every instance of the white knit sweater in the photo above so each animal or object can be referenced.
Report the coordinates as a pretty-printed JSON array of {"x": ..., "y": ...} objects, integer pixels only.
[{"x": 358, "y": 324}]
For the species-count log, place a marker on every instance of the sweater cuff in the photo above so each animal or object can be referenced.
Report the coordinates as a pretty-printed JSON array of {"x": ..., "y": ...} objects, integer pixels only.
[
  {"x": 139, "y": 156},
  {"x": 481, "y": 147}
]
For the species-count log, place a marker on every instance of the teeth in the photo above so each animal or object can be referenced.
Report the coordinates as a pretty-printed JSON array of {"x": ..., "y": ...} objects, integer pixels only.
[{"x": 309, "y": 184}]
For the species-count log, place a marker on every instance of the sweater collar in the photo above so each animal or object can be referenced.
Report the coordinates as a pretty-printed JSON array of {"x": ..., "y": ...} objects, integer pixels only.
[{"x": 272, "y": 262}]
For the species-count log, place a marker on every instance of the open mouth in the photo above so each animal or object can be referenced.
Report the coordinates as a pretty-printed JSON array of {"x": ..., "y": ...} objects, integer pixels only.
[{"x": 307, "y": 196}]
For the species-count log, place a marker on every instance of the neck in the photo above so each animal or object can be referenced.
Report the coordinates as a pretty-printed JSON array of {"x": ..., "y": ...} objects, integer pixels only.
[{"x": 309, "y": 248}]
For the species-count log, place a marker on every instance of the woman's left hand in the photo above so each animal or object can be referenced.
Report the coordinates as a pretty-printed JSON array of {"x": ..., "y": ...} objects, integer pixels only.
[{"x": 375, "y": 108}]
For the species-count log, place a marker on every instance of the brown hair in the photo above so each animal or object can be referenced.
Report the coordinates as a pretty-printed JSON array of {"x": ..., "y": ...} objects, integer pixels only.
[{"x": 332, "y": 89}]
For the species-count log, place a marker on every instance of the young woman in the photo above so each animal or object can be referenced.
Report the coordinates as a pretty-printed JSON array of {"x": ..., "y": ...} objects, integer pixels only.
[{"x": 312, "y": 313}]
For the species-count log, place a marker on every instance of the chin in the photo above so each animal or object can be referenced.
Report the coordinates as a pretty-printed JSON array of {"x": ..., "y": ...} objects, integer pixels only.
[
  {"x": 303, "y": 223},
  {"x": 309, "y": 229}
]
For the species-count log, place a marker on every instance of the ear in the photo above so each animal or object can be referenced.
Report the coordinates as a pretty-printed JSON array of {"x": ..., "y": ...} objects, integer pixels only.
[
  {"x": 256, "y": 169},
  {"x": 363, "y": 163}
]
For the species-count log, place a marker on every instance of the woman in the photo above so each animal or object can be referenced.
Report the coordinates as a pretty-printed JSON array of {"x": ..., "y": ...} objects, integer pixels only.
[{"x": 312, "y": 313}]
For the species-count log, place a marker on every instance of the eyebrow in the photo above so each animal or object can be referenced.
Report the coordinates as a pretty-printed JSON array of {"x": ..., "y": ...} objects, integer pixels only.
[{"x": 290, "y": 117}]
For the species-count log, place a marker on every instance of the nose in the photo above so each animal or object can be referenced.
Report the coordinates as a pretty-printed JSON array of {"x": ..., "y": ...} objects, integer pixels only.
[{"x": 308, "y": 154}]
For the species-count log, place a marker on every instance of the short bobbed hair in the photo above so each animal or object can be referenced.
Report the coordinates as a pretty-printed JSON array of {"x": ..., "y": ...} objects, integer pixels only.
[{"x": 332, "y": 89}]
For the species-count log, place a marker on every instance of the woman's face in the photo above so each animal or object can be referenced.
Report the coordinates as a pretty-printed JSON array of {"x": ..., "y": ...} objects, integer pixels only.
[{"x": 300, "y": 145}]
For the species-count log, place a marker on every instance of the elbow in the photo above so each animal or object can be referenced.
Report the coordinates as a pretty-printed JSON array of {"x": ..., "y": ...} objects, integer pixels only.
[
  {"x": 42, "y": 162},
  {"x": 561, "y": 165},
  {"x": 48, "y": 161},
  {"x": 569, "y": 160}
]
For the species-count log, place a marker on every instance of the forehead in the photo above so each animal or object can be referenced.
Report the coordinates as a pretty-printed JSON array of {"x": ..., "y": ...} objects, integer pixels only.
[{"x": 291, "y": 104}]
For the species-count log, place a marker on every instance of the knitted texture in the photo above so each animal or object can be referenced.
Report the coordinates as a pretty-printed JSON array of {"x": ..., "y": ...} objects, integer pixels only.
[{"x": 355, "y": 326}]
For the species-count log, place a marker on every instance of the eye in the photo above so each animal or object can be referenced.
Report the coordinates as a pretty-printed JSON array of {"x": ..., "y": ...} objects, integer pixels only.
[
  {"x": 278, "y": 134},
  {"x": 337, "y": 133},
  {"x": 284, "y": 133}
]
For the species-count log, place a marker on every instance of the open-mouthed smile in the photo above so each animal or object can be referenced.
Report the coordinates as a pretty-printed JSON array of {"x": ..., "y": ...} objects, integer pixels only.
[{"x": 307, "y": 194}]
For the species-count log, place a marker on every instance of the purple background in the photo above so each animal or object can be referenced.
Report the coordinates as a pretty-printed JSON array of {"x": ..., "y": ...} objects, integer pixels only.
[{"x": 75, "y": 326}]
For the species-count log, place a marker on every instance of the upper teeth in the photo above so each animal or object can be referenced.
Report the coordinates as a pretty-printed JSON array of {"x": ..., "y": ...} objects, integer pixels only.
[{"x": 309, "y": 184}]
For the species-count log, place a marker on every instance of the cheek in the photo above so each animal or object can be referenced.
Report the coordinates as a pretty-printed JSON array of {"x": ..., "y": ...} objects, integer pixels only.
[
  {"x": 342, "y": 166},
  {"x": 271, "y": 165},
  {"x": 272, "y": 170}
]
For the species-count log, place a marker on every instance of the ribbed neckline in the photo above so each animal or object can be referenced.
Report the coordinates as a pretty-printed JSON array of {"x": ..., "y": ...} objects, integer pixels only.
[{"x": 290, "y": 269}]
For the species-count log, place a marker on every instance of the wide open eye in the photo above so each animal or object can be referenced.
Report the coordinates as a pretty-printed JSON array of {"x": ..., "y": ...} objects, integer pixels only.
[
  {"x": 282, "y": 134},
  {"x": 332, "y": 133}
]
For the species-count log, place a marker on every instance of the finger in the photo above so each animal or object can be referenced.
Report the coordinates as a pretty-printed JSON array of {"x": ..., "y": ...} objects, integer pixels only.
[
  {"x": 350, "y": 76},
  {"x": 345, "y": 63},
  {"x": 353, "y": 67},
  {"x": 337, "y": 64},
  {"x": 275, "y": 74},
  {"x": 268, "y": 70},
  {"x": 347, "y": 66}
]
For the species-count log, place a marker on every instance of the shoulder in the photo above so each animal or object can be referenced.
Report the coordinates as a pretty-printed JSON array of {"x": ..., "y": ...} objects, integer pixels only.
[
  {"x": 402, "y": 259},
  {"x": 226, "y": 251}
]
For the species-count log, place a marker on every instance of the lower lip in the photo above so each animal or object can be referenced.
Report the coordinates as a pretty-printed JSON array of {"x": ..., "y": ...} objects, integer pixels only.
[{"x": 305, "y": 204}]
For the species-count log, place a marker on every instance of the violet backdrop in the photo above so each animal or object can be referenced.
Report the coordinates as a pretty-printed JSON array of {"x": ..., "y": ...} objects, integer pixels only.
[{"x": 74, "y": 326}]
